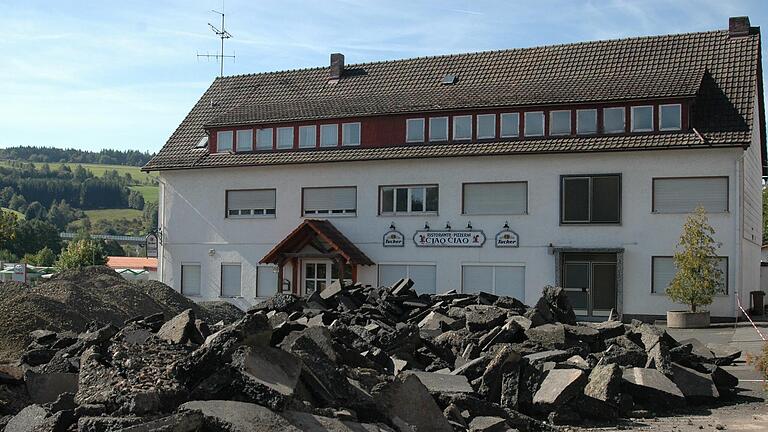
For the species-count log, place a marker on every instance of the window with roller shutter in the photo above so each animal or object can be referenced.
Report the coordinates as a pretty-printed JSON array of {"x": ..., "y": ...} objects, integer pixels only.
[
  {"x": 329, "y": 201},
  {"x": 684, "y": 194},
  {"x": 502, "y": 198},
  {"x": 252, "y": 203}
]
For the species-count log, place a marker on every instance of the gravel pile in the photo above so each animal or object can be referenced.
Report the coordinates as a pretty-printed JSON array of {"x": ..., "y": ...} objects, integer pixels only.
[
  {"x": 365, "y": 359},
  {"x": 73, "y": 299}
]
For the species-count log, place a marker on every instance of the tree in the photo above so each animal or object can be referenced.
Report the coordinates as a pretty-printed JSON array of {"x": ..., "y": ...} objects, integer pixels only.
[
  {"x": 35, "y": 210},
  {"x": 33, "y": 235},
  {"x": 5, "y": 196},
  {"x": 150, "y": 216},
  {"x": 43, "y": 258},
  {"x": 8, "y": 224},
  {"x": 18, "y": 203},
  {"x": 698, "y": 276},
  {"x": 57, "y": 217},
  {"x": 135, "y": 200},
  {"x": 113, "y": 248},
  {"x": 81, "y": 253}
]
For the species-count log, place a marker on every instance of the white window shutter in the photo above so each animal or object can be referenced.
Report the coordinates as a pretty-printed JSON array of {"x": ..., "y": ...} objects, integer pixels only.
[
  {"x": 663, "y": 271},
  {"x": 424, "y": 278},
  {"x": 477, "y": 279},
  {"x": 683, "y": 195},
  {"x": 266, "y": 280},
  {"x": 510, "y": 281},
  {"x": 190, "y": 279},
  {"x": 230, "y": 280},
  {"x": 496, "y": 198}
]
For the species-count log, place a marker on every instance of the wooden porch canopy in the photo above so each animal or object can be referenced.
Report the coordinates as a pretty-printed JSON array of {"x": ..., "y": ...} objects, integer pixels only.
[{"x": 322, "y": 236}]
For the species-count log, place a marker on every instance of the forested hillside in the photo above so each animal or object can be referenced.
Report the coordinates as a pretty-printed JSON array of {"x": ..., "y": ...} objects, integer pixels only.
[{"x": 52, "y": 154}]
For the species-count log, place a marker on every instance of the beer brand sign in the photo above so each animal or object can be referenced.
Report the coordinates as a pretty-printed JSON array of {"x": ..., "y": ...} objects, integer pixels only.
[
  {"x": 507, "y": 238},
  {"x": 393, "y": 239},
  {"x": 448, "y": 238}
]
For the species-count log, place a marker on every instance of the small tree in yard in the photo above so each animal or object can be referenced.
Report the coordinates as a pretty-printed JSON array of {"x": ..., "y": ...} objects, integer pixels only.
[
  {"x": 698, "y": 277},
  {"x": 81, "y": 253}
]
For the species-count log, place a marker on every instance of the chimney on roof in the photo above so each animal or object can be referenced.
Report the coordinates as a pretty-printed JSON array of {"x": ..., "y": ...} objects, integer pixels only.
[
  {"x": 337, "y": 65},
  {"x": 738, "y": 26}
]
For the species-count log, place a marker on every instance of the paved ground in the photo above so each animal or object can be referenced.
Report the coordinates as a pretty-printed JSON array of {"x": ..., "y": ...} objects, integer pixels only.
[{"x": 747, "y": 412}]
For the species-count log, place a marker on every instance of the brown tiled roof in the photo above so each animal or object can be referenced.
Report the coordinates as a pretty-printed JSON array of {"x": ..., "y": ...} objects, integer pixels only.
[
  {"x": 719, "y": 71},
  {"x": 310, "y": 228}
]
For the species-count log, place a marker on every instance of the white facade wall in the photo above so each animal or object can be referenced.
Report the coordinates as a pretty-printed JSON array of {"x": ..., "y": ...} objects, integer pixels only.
[{"x": 195, "y": 229}]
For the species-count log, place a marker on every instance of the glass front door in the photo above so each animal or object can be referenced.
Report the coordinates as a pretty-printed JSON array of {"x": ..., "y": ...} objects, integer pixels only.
[
  {"x": 318, "y": 274},
  {"x": 590, "y": 282}
]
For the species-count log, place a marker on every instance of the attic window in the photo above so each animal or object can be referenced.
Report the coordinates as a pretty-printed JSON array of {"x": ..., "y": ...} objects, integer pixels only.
[
  {"x": 448, "y": 79},
  {"x": 203, "y": 143}
]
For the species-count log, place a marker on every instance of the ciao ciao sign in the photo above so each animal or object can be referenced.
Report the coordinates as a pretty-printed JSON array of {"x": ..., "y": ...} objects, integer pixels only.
[{"x": 446, "y": 238}]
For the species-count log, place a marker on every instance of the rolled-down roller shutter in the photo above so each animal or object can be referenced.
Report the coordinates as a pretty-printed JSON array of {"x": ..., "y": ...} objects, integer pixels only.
[
  {"x": 330, "y": 200},
  {"x": 496, "y": 198},
  {"x": 251, "y": 199},
  {"x": 683, "y": 195}
]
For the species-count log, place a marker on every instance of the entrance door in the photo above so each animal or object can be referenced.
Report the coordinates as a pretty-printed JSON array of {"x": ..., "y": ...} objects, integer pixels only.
[
  {"x": 590, "y": 282},
  {"x": 318, "y": 274}
]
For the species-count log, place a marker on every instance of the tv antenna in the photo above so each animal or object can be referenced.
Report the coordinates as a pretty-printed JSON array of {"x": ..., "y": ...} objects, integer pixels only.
[{"x": 222, "y": 34}]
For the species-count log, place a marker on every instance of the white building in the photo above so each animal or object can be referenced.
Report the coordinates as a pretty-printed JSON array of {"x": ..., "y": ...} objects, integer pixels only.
[{"x": 572, "y": 165}]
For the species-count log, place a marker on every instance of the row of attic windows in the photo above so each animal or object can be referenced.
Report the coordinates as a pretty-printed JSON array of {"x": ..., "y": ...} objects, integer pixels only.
[
  {"x": 532, "y": 124},
  {"x": 282, "y": 138},
  {"x": 463, "y": 128}
]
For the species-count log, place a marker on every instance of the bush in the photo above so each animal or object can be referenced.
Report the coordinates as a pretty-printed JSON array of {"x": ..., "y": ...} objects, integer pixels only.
[
  {"x": 45, "y": 257},
  {"x": 82, "y": 253},
  {"x": 760, "y": 362},
  {"x": 698, "y": 277}
]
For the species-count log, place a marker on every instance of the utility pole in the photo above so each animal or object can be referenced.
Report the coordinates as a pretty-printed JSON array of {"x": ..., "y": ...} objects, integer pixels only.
[{"x": 223, "y": 34}]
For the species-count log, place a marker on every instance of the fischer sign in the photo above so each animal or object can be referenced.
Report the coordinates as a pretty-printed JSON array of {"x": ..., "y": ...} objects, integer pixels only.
[{"x": 448, "y": 238}]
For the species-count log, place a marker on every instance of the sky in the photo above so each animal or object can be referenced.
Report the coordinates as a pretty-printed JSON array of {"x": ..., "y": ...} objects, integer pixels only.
[{"x": 122, "y": 75}]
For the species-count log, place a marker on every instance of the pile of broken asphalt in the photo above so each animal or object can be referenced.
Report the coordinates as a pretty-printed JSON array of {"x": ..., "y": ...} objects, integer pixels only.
[{"x": 363, "y": 359}]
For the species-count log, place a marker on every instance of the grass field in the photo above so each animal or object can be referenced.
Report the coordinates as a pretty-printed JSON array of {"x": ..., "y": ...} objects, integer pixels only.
[
  {"x": 150, "y": 193},
  {"x": 99, "y": 170},
  {"x": 112, "y": 214}
]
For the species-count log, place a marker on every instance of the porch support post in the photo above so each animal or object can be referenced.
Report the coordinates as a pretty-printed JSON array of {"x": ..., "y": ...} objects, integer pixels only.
[
  {"x": 354, "y": 273},
  {"x": 280, "y": 278},
  {"x": 295, "y": 275}
]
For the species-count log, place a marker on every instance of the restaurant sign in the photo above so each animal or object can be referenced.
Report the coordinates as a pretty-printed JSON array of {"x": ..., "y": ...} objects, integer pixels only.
[
  {"x": 448, "y": 238},
  {"x": 507, "y": 238},
  {"x": 394, "y": 239},
  {"x": 151, "y": 245}
]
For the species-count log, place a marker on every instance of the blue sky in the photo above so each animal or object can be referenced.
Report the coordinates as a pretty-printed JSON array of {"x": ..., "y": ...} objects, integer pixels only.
[{"x": 107, "y": 74}]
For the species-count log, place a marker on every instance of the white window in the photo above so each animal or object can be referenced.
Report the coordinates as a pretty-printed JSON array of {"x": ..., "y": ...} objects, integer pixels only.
[
  {"x": 266, "y": 280},
  {"x": 613, "y": 120},
  {"x": 285, "y": 138},
  {"x": 534, "y": 123},
  {"x": 350, "y": 134},
  {"x": 245, "y": 140},
  {"x": 510, "y": 125},
  {"x": 663, "y": 270},
  {"x": 329, "y": 135},
  {"x": 264, "y": 139},
  {"x": 559, "y": 122},
  {"x": 408, "y": 199},
  {"x": 642, "y": 118},
  {"x": 424, "y": 276},
  {"x": 254, "y": 203},
  {"x": 501, "y": 280},
  {"x": 230, "y": 280},
  {"x": 495, "y": 198},
  {"x": 414, "y": 130},
  {"x": 330, "y": 201},
  {"x": 462, "y": 128},
  {"x": 683, "y": 195},
  {"x": 438, "y": 129},
  {"x": 224, "y": 141},
  {"x": 190, "y": 279},
  {"x": 486, "y": 126},
  {"x": 586, "y": 121},
  {"x": 670, "y": 117},
  {"x": 307, "y": 136}
]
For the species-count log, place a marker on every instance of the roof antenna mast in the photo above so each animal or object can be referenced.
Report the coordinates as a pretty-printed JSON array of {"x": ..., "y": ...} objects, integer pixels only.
[{"x": 223, "y": 34}]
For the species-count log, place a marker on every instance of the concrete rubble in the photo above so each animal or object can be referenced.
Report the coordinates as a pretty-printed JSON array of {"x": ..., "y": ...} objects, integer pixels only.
[{"x": 360, "y": 359}]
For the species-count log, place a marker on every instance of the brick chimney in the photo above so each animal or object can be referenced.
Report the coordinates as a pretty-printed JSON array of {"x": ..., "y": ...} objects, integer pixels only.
[
  {"x": 738, "y": 26},
  {"x": 337, "y": 65}
]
